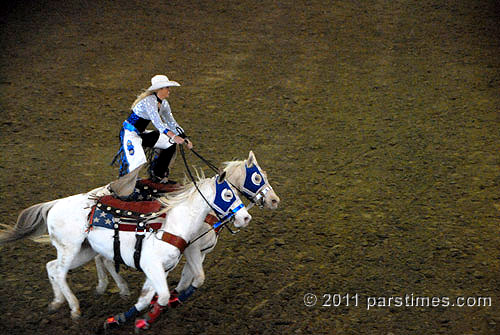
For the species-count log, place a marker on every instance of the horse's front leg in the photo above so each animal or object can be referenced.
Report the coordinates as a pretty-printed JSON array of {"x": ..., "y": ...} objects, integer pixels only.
[
  {"x": 144, "y": 301},
  {"x": 193, "y": 275},
  {"x": 158, "y": 279},
  {"x": 186, "y": 277}
]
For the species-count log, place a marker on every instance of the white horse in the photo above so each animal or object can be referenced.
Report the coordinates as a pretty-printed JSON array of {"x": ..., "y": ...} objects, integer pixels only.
[
  {"x": 67, "y": 223},
  {"x": 251, "y": 181}
]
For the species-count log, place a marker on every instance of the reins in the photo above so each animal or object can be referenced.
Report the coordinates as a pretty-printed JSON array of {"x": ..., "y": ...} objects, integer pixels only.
[
  {"x": 183, "y": 154},
  {"x": 222, "y": 221},
  {"x": 206, "y": 161},
  {"x": 212, "y": 166}
]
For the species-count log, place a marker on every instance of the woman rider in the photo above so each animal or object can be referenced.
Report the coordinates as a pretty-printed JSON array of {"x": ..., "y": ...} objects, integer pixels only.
[{"x": 151, "y": 106}]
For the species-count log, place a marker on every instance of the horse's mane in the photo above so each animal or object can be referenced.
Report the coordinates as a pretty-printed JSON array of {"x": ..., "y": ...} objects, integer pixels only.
[
  {"x": 186, "y": 191},
  {"x": 231, "y": 166}
]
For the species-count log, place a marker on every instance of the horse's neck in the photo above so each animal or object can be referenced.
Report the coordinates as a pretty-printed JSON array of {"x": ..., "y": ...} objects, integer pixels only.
[{"x": 187, "y": 219}]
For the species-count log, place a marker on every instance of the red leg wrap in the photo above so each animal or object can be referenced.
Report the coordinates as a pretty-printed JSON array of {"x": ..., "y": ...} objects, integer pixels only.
[
  {"x": 155, "y": 312},
  {"x": 174, "y": 299},
  {"x": 114, "y": 321},
  {"x": 150, "y": 317},
  {"x": 153, "y": 301},
  {"x": 141, "y": 324}
]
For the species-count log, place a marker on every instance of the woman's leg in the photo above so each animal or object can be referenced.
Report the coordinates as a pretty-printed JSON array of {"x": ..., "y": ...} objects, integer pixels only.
[
  {"x": 165, "y": 158},
  {"x": 132, "y": 161},
  {"x": 164, "y": 155}
]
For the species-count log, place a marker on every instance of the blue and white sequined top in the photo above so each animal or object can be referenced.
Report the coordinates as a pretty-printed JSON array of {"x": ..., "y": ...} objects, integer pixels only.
[{"x": 163, "y": 119}]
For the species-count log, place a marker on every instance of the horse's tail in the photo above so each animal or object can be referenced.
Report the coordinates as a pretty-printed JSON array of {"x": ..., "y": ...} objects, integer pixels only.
[{"x": 32, "y": 223}]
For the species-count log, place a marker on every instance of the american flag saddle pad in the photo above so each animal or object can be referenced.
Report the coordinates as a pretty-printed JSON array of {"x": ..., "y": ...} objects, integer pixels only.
[{"x": 109, "y": 211}]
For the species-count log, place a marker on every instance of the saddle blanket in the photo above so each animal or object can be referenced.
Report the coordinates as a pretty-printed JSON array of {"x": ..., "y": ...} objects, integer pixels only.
[
  {"x": 112, "y": 213},
  {"x": 109, "y": 212}
]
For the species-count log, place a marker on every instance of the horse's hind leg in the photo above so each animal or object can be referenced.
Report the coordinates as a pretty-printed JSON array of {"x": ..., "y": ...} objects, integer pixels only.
[
  {"x": 58, "y": 295},
  {"x": 120, "y": 282},
  {"x": 57, "y": 274},
  {"x": 69, "y": 257},
  {"x": 102, "y": 277},
  {"x": 102, "y": 263}
]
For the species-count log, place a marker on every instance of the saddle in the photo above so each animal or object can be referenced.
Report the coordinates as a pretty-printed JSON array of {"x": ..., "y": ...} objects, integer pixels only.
[
  {"x": 112, "y": 213},
  {"x": 146, "y": 189}
]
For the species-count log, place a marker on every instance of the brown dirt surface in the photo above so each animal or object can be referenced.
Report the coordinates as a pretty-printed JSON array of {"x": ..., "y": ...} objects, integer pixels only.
[{"x": 377, "y": 122}]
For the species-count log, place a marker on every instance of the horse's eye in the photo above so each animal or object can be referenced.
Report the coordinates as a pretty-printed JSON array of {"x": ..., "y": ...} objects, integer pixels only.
[
  {"x": 256, "y": 178},
  {"x": 227, "y": 195}
]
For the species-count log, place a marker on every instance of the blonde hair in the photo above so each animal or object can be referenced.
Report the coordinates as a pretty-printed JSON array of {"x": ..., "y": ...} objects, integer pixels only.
[{"x": 141, "y": 96}]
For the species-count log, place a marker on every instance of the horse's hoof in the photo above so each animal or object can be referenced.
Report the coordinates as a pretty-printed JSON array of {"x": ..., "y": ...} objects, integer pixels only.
[
  {"x": 100, "y": 290},
  {"x": 54, "y": 306},
  {"x": 125, "y": 294},
  {"x": 75, "y": 315},
  {"x": 115, "y": 321},
  {"x": 111, "y": 323},
  {"x": 174, "y": 302}
]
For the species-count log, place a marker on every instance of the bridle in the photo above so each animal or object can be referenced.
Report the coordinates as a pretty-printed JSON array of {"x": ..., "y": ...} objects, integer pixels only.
[
  {"x": 254, "y": 193},
  {"x": 256, "y": 196},
  {"x": 223, "y": 218},
  {"x": 259, "y": 198}
]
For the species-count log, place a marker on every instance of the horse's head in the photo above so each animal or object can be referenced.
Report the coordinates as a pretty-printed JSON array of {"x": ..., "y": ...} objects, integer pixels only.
[
  {"x": 228, "y": 205},
  {"x": 252, "y": 181}
]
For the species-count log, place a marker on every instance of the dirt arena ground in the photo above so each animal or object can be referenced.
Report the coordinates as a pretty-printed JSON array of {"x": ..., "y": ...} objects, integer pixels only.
[{"x": 377, "y": 122}]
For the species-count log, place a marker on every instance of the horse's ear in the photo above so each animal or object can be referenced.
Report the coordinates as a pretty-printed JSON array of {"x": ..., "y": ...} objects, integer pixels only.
[
  {"x": 221, "y": 177},
  {"x": 251, "y": 159}
]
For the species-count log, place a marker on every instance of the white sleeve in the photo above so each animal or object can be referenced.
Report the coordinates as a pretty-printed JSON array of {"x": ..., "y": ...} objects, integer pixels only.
[
  {"x": 168, "y": 117},
  {"x": 148, "y": 108}
]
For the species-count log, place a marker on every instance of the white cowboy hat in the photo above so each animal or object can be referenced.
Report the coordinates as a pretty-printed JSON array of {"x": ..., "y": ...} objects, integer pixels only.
[{"x": 161, "y": 81}]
